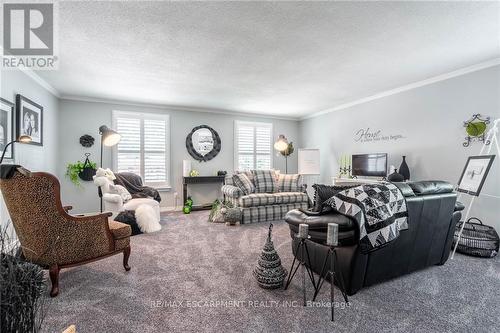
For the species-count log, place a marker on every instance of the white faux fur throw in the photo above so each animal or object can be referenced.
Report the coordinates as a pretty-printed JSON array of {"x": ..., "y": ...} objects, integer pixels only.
[{"x": 146, "y": 219}]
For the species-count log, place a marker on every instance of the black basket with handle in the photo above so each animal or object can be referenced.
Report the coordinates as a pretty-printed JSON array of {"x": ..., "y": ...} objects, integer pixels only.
[
  {"x": 88, "y": 171},
  {"x": 477, "y": 239}
]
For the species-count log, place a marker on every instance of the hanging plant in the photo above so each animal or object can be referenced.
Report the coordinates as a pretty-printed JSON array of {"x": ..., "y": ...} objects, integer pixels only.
[{"x": 81, "y": 170}]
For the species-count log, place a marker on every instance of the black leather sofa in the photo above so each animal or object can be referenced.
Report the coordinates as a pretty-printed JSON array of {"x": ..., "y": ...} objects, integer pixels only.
[{"x": 432, "y": 215}]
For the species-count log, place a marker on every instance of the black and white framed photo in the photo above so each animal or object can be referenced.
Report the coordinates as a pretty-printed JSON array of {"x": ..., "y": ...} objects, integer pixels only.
[
  {"x": 6, "y": 127},
  {"x": 474, "y": 174},
  {"x": 29, "y": 119}
]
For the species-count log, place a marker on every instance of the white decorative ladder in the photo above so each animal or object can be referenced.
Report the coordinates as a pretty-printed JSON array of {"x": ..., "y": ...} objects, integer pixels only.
[{"x": 492, "y": 136}]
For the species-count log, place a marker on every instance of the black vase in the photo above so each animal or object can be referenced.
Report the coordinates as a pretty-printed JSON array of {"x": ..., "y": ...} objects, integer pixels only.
[
  {"x": 404, "y": 170},
  {"x": 395, "y": 177}
]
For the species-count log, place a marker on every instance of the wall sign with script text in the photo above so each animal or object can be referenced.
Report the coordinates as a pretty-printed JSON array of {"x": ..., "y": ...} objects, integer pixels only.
[{"x": 374, "y": 135}]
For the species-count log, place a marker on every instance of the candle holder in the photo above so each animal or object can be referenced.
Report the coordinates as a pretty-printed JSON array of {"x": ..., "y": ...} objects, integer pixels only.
[
  {"x": 332, "y": 257},
  {"x": 345, "y": 171},
  {"x": 300, "y": 259}
]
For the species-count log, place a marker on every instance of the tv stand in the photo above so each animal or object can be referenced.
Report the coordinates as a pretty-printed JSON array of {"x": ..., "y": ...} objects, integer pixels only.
[{"x": 356, "y": 181}]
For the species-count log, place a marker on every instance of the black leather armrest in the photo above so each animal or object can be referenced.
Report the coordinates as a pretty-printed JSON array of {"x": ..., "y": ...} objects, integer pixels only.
[
  {"x": 310, "y": 212},
  {"x": 431, "y": 187},
  {"x": 318, "y": 225},
  {"x": 318, "y": 221}
]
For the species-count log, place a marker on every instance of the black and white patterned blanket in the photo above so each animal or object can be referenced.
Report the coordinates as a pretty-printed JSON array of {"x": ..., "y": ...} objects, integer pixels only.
[{"x": 379, "y": 209}]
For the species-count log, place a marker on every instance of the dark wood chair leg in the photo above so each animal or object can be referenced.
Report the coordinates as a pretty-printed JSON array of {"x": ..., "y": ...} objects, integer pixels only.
[
  {"x": 126, "y": 255},
  {"x": 54, "y": 278}
]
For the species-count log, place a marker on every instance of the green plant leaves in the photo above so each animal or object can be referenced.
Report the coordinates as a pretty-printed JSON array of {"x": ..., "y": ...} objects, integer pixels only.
[
  {"x": 476, "y": 128},
  {"x": 73, "y": 170}
]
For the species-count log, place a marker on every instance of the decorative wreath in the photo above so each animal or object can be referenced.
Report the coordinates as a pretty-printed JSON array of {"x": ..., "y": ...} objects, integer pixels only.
[{"x": 87, "y": 141}]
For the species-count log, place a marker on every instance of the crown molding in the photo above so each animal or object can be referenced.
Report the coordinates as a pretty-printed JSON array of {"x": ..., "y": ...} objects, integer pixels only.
[
  {"x": 173, "y": 107},
  {"x": 418, "y": 84},
  {"x": 35, "y": 77},
  {"x": 38, "y": 79}
]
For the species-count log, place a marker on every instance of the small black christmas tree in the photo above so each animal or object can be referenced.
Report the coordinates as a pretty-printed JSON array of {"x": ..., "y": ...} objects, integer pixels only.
[{"x": 269, "y": 272}]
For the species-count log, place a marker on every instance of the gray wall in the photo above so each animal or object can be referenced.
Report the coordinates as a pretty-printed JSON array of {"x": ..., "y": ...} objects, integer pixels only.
[
  {"x": 35, "y": 158},
  {"x": 78, "y": 118},
  {"x": 430, "y": 119}
]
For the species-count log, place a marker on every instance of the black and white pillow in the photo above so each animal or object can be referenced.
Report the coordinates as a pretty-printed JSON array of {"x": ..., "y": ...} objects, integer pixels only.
[
  {"x": 242, "y": 181},
  {"x": 290, "y": 183},
  {"x": 265, "y": 181}
]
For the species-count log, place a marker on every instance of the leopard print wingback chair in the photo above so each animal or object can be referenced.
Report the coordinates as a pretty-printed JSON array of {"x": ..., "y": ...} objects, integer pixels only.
[{"x": 52, "y": 238}]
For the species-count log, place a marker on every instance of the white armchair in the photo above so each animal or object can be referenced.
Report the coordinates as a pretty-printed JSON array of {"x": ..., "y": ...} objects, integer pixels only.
[{"x": 117, "y": 199}]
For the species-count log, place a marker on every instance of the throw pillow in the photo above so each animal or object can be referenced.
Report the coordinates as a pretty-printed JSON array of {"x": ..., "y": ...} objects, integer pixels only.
[
  {"x": 276, "y": 175},
  {"x": 325, "y": 192},
  {"x": 248, "y": 173},
  {"x": 246, "y": 186},
  {"x": 290, "y": 183},
  {"x": 128, "y": 217},
  {"x": 265, "y": 181}
]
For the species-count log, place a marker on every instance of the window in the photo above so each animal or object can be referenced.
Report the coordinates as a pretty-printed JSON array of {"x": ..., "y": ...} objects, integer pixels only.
[
  {"x": 253, "y": 146},
  {"x": 144, "y": 146}
]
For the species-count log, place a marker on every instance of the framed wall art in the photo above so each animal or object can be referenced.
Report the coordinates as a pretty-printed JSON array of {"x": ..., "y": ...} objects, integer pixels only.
[
  {"x": 7, "y": 127},
  {"x": 29, "y": 119},
  {"x": 474, "y": 174}
]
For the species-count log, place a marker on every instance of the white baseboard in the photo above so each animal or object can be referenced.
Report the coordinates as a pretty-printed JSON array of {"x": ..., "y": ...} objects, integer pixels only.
[{"x": 171, "y": 209}]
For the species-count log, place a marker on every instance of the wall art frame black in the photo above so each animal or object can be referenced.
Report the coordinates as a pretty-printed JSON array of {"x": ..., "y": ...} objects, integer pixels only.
[
  {"x": 474, "y": 174},
  {"x": 29, "y": 119},
  {"x": 210, "y": 155},
  {"x": 8, "y": 129}
]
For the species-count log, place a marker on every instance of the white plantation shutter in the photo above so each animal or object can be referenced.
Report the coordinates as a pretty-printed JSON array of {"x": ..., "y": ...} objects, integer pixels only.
[
  {"x": 253, "y": 145},
  {"x": 143, "y": 148},
  {"x": 129, "y": 147},
  {"x": 263, "y": 143},
  {"x": 155, "y": 150}
]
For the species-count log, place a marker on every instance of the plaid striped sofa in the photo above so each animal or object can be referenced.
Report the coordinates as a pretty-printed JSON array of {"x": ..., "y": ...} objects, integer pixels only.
[{"x": 261, "y": 207}]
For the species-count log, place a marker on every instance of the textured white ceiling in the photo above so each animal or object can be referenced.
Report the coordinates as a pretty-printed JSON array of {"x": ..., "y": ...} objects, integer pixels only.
[{"x": 273, "y": 58}]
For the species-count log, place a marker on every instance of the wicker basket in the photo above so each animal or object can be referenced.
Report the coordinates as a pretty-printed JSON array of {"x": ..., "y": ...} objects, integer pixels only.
[{"x": 477, "y": 239}]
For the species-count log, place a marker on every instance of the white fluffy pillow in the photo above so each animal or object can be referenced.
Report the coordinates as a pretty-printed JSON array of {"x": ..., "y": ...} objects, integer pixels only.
[{"x": 146, "y": 219}]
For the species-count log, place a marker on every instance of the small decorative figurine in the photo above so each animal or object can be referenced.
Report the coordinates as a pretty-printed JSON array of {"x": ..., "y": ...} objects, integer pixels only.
[{"x": 269, "y": 272}]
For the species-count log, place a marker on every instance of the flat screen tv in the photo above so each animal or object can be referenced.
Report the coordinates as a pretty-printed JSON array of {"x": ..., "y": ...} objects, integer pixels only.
[{"x": 369, "y": 165}]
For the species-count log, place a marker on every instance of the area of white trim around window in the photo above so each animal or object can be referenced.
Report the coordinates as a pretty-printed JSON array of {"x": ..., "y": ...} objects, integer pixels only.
[
  {"x": 255, "y": 125},
  {"x": 142, "y": 116}
]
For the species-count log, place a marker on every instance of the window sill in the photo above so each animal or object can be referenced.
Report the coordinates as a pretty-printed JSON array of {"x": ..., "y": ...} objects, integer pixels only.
[{"x": 163, "y": 188}]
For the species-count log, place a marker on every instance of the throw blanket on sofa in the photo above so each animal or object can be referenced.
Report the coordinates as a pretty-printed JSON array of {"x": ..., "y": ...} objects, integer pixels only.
[
  {"x": 379, "y": 209},
  {"x": 133, "y": 184}
]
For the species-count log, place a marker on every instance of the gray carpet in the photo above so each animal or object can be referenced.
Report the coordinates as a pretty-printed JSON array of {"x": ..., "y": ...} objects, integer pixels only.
[{"x": 192, "y": 261}]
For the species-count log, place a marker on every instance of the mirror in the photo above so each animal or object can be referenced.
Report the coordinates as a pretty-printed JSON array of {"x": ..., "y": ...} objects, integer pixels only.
[{"x": 203, "y": 143}]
